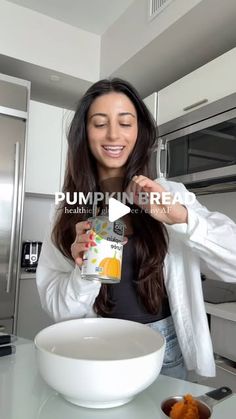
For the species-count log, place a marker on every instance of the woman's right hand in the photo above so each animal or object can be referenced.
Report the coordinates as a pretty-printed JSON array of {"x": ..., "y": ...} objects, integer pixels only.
[{"x": 82, "y": 241}]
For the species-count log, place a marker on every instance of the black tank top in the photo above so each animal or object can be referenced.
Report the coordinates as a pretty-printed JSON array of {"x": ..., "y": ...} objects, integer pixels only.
[{"x": 124, "y": 295}]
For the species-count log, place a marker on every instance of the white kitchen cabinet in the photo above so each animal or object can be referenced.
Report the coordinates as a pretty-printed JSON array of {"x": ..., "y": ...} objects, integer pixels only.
[
  {"x": 205, "y": 85},
  {"x": 151, "y": 103},
  {"x": 223, "y": 333},
  {"x": 31, "y": 317},
  {"x": 67, "y": 118},
  {"x": 223, "y": 328},
  {"x": 43, "y": 164}
]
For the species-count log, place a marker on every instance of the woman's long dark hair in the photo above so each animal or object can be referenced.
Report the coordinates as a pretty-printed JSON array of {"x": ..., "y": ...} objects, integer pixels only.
[{"x": 151, "y": 239}]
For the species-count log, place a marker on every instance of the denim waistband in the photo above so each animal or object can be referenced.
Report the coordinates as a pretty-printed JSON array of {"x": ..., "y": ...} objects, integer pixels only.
[{"x": 163, "y": 324}]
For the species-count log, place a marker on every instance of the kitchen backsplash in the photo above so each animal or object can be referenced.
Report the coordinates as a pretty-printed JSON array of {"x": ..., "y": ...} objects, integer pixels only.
[{"x": 36, "y": 217}]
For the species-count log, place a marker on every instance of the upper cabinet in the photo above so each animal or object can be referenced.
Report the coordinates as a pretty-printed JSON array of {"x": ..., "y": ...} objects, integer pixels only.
[
  {"x": 199, "y": 88},
  {"x": 67, "y": 118},
  {"x": 43, "y": 164},
  {"x": 151, "y": 103}
]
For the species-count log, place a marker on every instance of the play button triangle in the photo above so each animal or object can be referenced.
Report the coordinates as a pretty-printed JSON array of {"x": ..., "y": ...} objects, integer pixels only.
[{"x": 116, "y": 209}]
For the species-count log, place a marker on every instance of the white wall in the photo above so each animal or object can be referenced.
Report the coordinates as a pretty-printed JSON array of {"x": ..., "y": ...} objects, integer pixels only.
[
  {"x": 38, "y": 39},
  {"x": 224, "y": 202}
]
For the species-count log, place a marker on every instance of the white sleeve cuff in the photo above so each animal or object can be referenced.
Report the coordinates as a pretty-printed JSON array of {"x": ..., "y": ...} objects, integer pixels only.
[
  {"x": 195, "y": 230},
  {"x": 83, "y": 286}
]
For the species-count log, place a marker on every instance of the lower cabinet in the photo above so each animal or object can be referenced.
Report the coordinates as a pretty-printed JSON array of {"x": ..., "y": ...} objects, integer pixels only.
[
  {"x": 223, "y": 333},
  {"x": 31, "y": 317}
]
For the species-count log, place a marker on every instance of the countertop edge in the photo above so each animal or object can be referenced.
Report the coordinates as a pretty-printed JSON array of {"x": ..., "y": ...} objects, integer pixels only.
[{"x": 226, "y": 311}]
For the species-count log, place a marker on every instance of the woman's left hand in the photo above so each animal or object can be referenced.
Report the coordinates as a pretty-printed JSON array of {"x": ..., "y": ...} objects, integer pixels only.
[{"x": 167, "y": 213}]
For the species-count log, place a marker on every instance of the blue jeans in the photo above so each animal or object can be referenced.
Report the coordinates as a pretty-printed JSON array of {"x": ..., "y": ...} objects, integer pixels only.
[{"x": 173, "y": 364}]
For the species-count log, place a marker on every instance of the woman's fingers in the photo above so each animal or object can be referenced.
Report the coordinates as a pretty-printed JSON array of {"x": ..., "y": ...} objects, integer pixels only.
[
  {"x": 79, "y": 261},
  {"x": 82, "y": 244},
  {"x": 150, "y": 184},
  {"x": 84, "y": 238},
  {"x": 82, "y": 241}
]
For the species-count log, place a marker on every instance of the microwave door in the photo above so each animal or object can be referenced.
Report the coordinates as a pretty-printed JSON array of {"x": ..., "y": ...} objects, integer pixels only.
[
  {"x": 212, "y": 148},
  {"x": 200, "y": 158},
  {"x": 203, "y": 154},
  {"x": 207, "y": 177},
  {"x": 177, "y": 157}
]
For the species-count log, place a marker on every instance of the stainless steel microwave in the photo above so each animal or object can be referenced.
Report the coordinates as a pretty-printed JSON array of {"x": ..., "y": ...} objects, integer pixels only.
[{"x": 199, "y": 149}]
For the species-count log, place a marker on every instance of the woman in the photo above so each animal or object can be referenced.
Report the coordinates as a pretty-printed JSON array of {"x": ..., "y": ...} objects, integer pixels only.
[{"x": 111, "y": 137}]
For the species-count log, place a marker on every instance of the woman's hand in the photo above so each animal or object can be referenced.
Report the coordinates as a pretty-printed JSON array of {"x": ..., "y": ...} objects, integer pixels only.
[
  {"x": 166, "y": 213},
  {"x": 82, "y": 241}
]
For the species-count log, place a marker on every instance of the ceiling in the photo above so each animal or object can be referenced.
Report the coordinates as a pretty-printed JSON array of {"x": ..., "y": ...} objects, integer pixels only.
[
  {"x": 202, "y": 34},
  {"x": 90, "y": 15},
  {"x": 64, "y": 93}
]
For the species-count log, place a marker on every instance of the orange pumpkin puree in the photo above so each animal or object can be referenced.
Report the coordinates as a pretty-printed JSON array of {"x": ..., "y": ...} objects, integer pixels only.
[
  {"x": 111, "y": 267},
  {"x": 185, "y": 409}
]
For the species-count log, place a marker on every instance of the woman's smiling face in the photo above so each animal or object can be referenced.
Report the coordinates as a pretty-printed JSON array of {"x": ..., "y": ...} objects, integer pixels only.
[{"x": 112, "y": 129}]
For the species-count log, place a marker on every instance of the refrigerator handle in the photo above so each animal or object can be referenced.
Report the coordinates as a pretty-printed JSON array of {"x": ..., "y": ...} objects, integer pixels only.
[
  {"x": 159, "y": 161},
  {"x": 14, "y": 215}
]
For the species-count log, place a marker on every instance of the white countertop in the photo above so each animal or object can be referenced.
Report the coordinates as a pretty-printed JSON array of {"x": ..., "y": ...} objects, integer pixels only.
[
  {"x": 224, "y": 310},
  {"x": 24, "y": 395}
]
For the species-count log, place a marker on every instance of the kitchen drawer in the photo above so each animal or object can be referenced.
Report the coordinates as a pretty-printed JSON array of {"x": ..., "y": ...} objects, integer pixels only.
[
  {"x": 223, "y": 334},
  {"x": 207, "y": 84}
]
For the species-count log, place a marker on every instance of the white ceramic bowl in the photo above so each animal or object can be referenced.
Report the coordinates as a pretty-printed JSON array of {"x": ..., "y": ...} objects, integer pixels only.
[{"x": 99, "y": 362}]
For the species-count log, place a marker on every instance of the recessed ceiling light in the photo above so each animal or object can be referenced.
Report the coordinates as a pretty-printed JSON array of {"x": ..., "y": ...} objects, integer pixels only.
[{"x": 54, "y": 77}]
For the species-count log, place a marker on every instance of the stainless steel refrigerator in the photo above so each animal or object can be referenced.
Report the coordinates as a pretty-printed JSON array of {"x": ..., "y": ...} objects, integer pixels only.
[{"x": 14, "y": 99}]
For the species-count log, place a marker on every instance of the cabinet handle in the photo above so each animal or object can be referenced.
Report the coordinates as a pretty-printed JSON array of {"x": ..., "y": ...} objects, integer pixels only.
[
  {"x": 200, "y": 102},
  {"x": 14, "y": 216}
]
